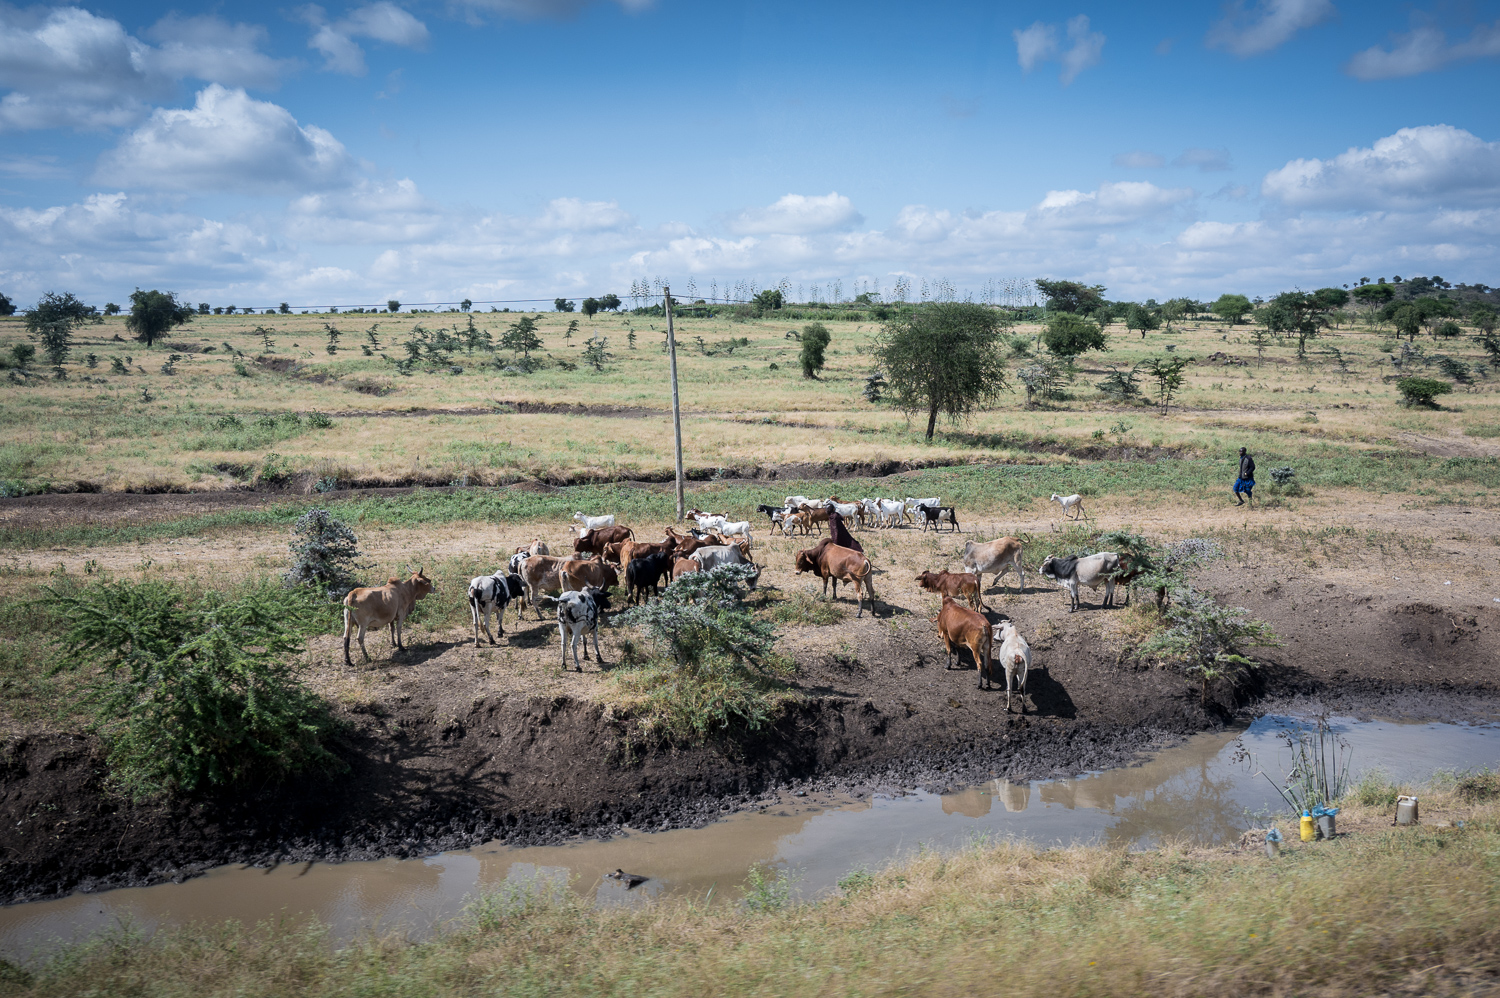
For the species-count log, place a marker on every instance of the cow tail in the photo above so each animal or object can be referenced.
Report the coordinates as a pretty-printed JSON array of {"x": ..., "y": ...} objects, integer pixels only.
[{"x": 869, "y": 580}]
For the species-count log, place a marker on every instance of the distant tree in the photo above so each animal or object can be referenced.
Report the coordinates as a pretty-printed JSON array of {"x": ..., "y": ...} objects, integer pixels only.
[
  {"x": 769, "y": 300},
  {"x": 203, "y": 308},
  {"x": 947, "y": 358},
  {"x": 594, "y": 351},
  {"x": 1447, "y": 329},
  {"x": 1167, "y": 373},
  {"x": 610, "y": 302},
  {"x": 333, "y": 337},
  {"x": 1068, "y": 335},
  {"x": 1231, "y": 308},
  {"x": 1173, "y": 310},
  {"x": 111, "y": 309},
  {"x": 154, "y": 313},
  {"x": 815, "y": 339},
  {"x": 1071, "y": 296},
  {"x": 465, "y": 305},
  {"x": 1407, "y": 319},
  {"x": 521, "y": 337},
  {"x": 568, "y": 333},
  {"x": 51, "y": 322},
  {"x": 1140, "y": 318},
  {"x": 1482, "y": 317},
  {"x": 590, "y": 308},
  {"x": 1300, "y": 314},
  {"x": 1331, "y": 298},
  {"x": 285, "y": 309},
  {"x": 393, "y": 306},
  {"x": 7, "y": 307},
  {"x": 562, "y": 305}
]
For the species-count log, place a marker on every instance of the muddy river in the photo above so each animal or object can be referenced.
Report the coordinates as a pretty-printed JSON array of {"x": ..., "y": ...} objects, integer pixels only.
[{"x": 1204, "y": 790}]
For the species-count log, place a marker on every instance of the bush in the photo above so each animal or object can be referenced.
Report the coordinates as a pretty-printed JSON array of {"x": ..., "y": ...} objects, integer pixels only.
[
  {"x": 815, "y": 339},
  {"x": 1204, "y": 638},
  {"x": 1067, "y": 335},
  {"x": 1422, "y": 391},
  {"x": 1122, "y": 386},
  {"x": 325, "y": 554},
  {"x": 195, "y": 689},
  {"x": 1283, "y": 476},
  {"x": 1374, "y": 789},
  {"x": 708, "y": 666},
  {"x": 766, "y": 894}
]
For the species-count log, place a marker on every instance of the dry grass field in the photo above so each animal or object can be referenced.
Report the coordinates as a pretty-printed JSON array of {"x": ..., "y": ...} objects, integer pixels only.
[{"x": 236, "y": 408}]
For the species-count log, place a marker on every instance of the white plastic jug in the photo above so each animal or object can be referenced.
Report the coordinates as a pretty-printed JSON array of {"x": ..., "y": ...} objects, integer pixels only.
[{"x": 1406, "y": 810}]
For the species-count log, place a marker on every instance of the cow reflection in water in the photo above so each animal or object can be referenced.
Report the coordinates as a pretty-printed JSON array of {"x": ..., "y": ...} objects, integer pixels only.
[{"x": 977, "y": 801}]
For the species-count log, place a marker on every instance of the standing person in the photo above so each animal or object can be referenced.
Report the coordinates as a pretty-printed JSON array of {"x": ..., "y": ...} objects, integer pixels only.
[
  {"x": 1246, "y": 482},
  {"x": 840, "y": 533}
]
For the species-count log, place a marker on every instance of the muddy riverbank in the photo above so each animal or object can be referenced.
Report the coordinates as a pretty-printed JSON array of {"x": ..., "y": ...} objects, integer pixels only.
[{"x": 431, "y": 768}]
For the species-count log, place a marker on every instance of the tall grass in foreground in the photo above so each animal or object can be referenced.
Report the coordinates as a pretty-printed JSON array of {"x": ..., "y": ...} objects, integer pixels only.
[{"x": 1394, "y": 910}]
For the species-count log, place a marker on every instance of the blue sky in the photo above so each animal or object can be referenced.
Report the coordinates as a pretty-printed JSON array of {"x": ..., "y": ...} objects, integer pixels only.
[{"x": 503, "y": 149}]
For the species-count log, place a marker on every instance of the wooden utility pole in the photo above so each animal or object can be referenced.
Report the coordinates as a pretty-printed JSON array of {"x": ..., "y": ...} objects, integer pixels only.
[{"x": 676, "y": 404}]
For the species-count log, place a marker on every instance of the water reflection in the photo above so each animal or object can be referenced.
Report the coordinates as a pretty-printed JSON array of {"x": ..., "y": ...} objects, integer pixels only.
[{"x": 1197, "y": 791}]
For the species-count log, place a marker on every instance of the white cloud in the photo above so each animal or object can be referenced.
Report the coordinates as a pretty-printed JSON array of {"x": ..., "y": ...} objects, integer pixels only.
[
  {"x": 1424, "y": 166},
  {"x": 382, "y": 21},
  {"x": 556, "y": 9},
  {"x": 227, "y": 142},
  {"x": 1206, "y": 160},
  {"x": 1269, "y": 25},
  {"x": 66, "y": 67},
  {"x": 1139, "y": 160},
  {"x": 1423, "y": 50},
  {"x": 1038, "y": 44},
  {"x": 799, "y": 214}
]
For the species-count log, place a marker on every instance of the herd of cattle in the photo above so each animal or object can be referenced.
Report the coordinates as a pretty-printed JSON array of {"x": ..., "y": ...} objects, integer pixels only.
[{"x": 578, "y": 584}]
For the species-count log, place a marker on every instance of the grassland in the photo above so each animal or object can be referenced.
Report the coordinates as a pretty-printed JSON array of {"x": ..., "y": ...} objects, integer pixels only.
[
  {"x": 1381, "y": 910},
  {"x": 470, "y": 419}
]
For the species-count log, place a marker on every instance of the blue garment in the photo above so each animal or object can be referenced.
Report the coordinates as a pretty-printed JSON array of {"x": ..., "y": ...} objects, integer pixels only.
[{"x": 1243, "y": 485}]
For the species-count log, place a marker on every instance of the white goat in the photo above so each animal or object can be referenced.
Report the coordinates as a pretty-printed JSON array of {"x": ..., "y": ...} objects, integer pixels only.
[
  {"x": 595, "y": 522},
  {"x": 1069, "y": 503}
]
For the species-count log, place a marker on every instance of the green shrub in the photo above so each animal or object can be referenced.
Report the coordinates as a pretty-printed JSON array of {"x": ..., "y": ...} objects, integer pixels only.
[
  {"x": 815, "y": 339},
  {"x": 806, "y": 608},
  {"x": 1283, "y": 476},
  {"x": 325, "y": 552},
  {"x": 1422, "y": 391},
  {"x": 1204, "y": 639},
  {"x": 1478, "y": 787},
  {"x": 766, "y": 894},
  {"x": 194, "y": 689},
  {"x": 1374, "y": 788}
]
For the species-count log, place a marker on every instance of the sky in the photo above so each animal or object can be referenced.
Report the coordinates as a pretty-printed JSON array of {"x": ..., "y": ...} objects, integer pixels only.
[{"x": 501, "y": 150}]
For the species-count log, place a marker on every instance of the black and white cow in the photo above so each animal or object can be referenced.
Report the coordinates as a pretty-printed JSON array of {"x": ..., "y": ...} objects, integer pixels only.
[
  {"x": 578, "y": 615},
  {"x": 494, "y": 592},
  {"x": 1073, "y": 571}
]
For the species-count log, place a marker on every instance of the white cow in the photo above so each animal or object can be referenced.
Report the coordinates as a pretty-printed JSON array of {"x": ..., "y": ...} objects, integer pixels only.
[
  {"x": 578, "y": 615},
  {"x": 494, "y": 592},
  {"x": 1015, "y": 656}
]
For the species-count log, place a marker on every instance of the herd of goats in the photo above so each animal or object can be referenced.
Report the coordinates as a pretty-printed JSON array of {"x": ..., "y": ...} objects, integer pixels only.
[{"x": 582, "y": 580}]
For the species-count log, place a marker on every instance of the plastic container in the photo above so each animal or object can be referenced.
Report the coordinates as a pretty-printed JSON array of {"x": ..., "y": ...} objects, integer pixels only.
[
  {"x": 1273, "y": 842},
  {"x": 1324, "y": 816},
  {"x": 1406, "y": 810},
  {"x": 1309, "y": 827}
]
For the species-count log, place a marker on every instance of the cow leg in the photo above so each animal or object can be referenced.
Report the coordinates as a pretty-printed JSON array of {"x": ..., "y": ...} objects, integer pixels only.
[
  {"x": 347, "y": 622},
  {"x": 598, "y": 655},
  {"x": 500, "y": 617},
  {"x": 1109, "y": 592},
  {"x": 562, "y": 640},
  {"x": 363, "y": 650}
]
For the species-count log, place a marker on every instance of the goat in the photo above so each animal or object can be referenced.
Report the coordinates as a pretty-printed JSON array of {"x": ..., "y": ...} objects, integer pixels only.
[
  {"x": 1069, "y": 503},
  {"x": 937, "y": 515},
  {"x": 594, "y": 522}
]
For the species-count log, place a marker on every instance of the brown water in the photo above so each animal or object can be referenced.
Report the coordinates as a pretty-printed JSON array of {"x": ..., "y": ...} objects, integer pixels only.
[{"x": 1197, "y": 790}]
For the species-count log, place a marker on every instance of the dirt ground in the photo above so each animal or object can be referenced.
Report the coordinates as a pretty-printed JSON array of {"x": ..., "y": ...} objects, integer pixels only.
[{"x": 1383, "y": 607}]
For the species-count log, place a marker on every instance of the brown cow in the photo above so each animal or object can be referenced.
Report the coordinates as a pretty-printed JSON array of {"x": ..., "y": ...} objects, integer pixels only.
[
  {"x": 594, "y": 541},
  {"x": 828, "y": 562},
  {"x": 542, "y": 574},
  {"x": 958, "y": 626},
  {"x": 612, "y": 552},
  {"x": 579, "y": 574},
  {"x": 953, "y": 584},
  {"x": 632, "y": 550},
  {"x": 683, "y": 566},
  {"x": 381, "y": 605},
  {"x": 537, "y": 546}
]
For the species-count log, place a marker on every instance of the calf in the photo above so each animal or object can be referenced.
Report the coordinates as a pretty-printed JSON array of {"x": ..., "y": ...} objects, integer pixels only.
[
  {"x": 594, "y": 522},
  {"x": 537, "y": 546},
  {"x": 493, "y": 592},
  {"x": 379, "y": 606},
  {"x": 577, "y": 617},
  {"x": 1015, "y": 659},
  {"x": 710, "y": 558},
  {"x": 937, "y": 516},
  {"x": 517, "y": 560},
  {"x": 830, "y": 562},
  {"x": 639, "y": 549},
  {"x": 960, "y": 627},
  {"x": 1093, "y": 571},
  {"x": 996, "y": 557},
  {"x": 646, "y": 572},
  {"x": 682, "y": 566},
  {"x": 578, "y": 574},
  {"x": 952, "y": 584}
]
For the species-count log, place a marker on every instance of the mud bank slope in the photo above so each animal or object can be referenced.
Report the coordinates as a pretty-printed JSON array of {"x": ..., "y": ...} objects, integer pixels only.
[{"x": 881, "y": 713}]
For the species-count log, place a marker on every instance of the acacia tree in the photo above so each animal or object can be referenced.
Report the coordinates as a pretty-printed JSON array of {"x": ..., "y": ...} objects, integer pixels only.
[
  {"x": 521, "y": 337},
  {"x": 51, "y": 323},
  {"x": 1231, "y": 308},
  {"x": 1140, "y": 318},
  {"x": 1068, "y": 335},
  {"x": 1071, "y": 296},
  {"x": 945, "y": 358},
  {"x": 154, "y": 313}
]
